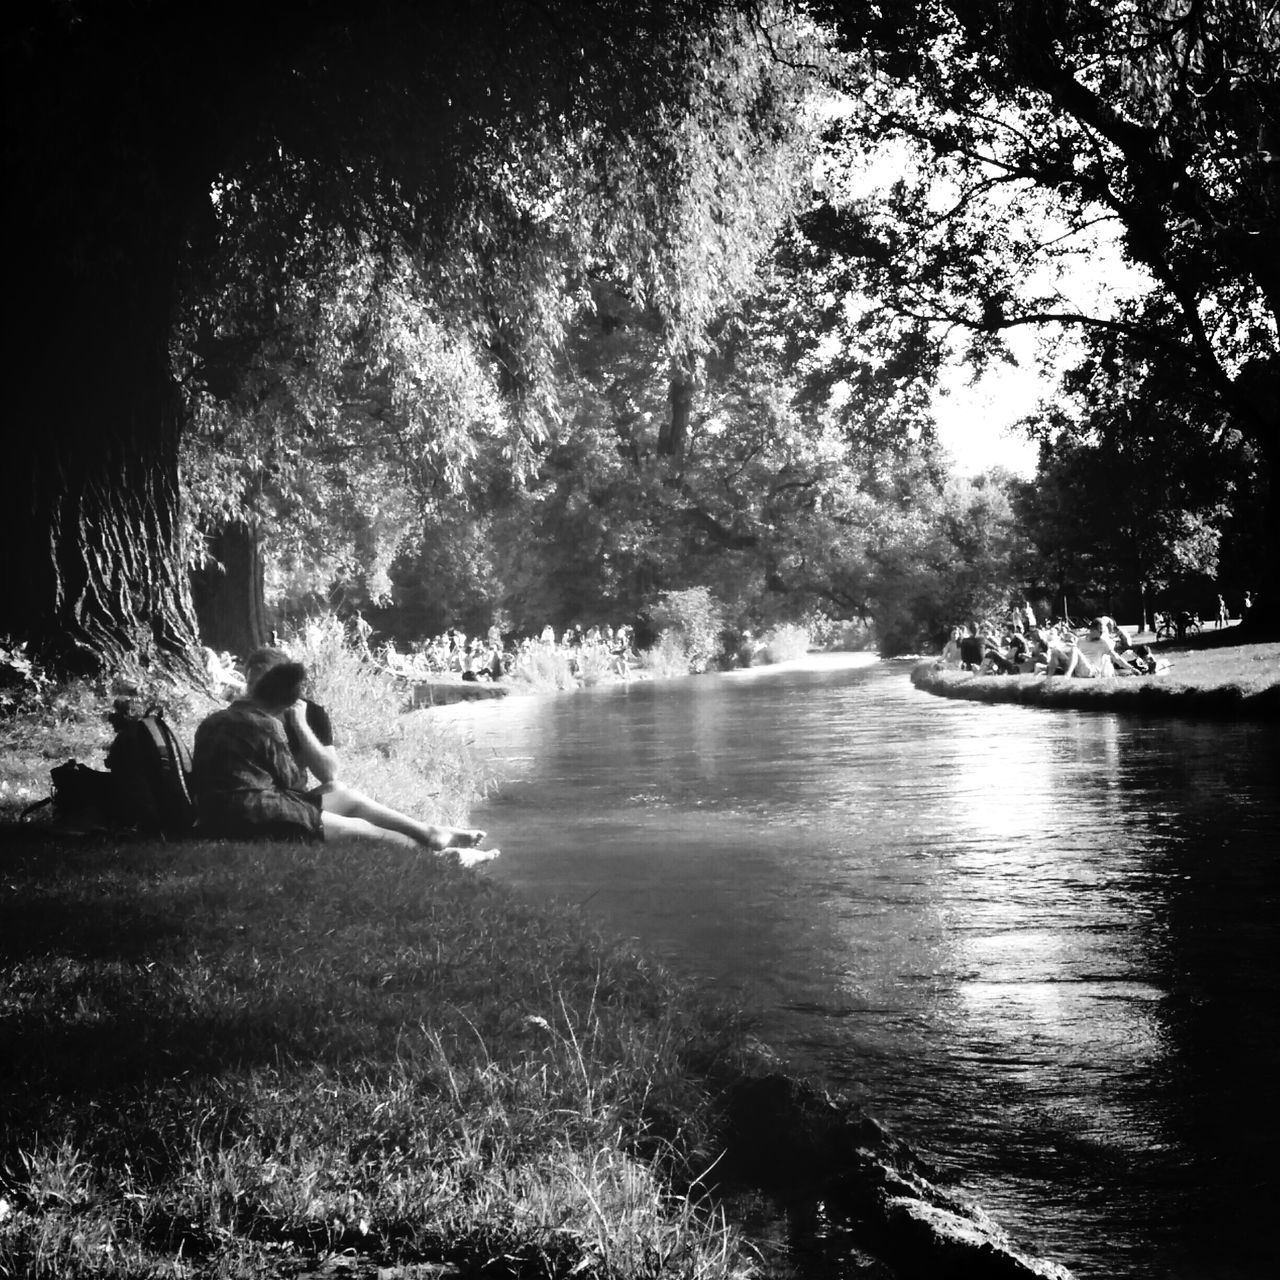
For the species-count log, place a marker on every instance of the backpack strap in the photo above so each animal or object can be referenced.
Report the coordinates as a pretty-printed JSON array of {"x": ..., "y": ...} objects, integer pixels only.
[
  {"x": 174, "y": 764},
  {"x": 31, "y": 808}
]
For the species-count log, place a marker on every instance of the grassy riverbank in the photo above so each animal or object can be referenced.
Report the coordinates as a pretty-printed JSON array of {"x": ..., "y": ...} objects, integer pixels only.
[
  {"x": 216, "y": 1057},
  {"x": 1207, "y": 676},
  {"x": 218, "y": 1053}
]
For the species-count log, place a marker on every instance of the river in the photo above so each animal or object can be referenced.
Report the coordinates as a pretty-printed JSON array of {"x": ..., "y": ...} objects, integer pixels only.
[{"x": 1041, "y": 946}]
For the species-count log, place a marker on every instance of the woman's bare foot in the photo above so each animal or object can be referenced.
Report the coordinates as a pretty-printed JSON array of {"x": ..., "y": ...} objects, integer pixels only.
[
  {"x": 472, "y": 857},
  {"x": 455, "y": 838}
]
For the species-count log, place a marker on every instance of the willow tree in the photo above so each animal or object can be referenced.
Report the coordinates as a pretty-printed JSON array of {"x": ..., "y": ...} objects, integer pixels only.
[
  {"x": 141, "y": 136},
  {"x": 381, "y": 399}
]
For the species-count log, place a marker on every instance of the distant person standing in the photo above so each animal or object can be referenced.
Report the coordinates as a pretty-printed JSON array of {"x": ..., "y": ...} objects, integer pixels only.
[
  {"x": 363, "y": 632},
  {"x": 1222, "y": 612}
]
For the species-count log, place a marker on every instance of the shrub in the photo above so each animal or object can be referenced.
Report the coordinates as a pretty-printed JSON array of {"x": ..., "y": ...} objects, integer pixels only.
[
  {"x": 595, "y": 664},
  {"x": 22, "y": 683},
  {"x": 543, "y": 669},
  {"x": 785, "y": 642},
  {"x": 669, "y": 657},
  {"x": 697, "y": 617}
]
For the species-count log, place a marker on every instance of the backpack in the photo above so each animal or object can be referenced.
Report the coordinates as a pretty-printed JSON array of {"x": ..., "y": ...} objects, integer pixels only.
[
  {"x": 151, "y": 771},
  {"x": 146, "y": 786}
]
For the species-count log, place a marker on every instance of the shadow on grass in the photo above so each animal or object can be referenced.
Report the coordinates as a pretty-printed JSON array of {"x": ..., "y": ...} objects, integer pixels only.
[
  {"x": 125, "y": 966},
  {"x": 1228, "y": 637}
]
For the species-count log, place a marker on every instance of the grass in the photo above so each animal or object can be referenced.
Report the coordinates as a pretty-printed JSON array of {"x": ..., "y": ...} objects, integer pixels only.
[
  {"x": 218, "y": 1055},
  {"x": 1207, "y": 676}
]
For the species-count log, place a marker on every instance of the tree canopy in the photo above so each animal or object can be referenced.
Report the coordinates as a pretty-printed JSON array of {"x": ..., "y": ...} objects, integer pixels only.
[
  {"x": 169, "y": 156},
  {"x": 552, "y": 296},
  {"x": 992, "y": 154}
]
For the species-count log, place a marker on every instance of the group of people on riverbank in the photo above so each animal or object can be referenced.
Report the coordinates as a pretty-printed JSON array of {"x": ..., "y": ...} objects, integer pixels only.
[
  {"x": 1101, "y": 650},
  {"x": 493, "y": 657}
]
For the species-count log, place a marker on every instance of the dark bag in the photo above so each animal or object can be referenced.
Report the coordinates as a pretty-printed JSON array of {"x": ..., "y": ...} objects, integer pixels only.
[
  {"x": 80, "y": 795},
  {"x": 151, "y": 769}
]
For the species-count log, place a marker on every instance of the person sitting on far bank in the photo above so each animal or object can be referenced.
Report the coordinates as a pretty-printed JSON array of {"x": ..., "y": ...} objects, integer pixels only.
[
  {"x": 250, "y": 763},
  {"x": 997, "y": 660},
  {"x": 1059, "y": 647},
  {"x": 949, "y": 659},
  {"x": 1115, "y": 633},
  {"x": 973, "y": 648},
  {"x": 1095, "y": 655},
  {"x": 1142, "y": 660}
]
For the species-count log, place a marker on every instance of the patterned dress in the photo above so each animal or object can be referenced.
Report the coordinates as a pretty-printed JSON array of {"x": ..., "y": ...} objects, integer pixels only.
[{"x": 246, "y": 781}]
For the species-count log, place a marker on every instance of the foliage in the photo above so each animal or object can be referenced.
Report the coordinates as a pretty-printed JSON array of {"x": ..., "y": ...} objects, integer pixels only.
[
  {"x": 782, "y": 643},
  {"x": 22, "y": 681},
  {"x": 1136, "y": 488},
  {"x": 386, "y": 391},
  {"x": 697, "y": 617},
  {"x": 1109, "y": 169},
  {"x": 212, "y": 216},
  {"x": 667, "y": 658},
  {"x": 361, "y": 410},
  {"x": 544, "y": 669}
]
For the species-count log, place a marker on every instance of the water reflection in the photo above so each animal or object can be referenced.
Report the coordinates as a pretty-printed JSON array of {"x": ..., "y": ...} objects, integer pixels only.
[{"x": 1039, "y": 944}]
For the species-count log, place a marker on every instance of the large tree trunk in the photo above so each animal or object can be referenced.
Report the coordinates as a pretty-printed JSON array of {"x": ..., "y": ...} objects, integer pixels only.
[
  {"x": 91, "y": 526},
  {"x": 228, "y": 592},
  {"x": 1258, "y": 386},
  {"x": 105, "y": 168},
  {"x": 673, "y": 435}
]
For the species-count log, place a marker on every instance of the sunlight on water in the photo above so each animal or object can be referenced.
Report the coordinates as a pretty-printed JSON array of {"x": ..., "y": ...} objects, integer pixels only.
[{"x": 1041, "y": 945}]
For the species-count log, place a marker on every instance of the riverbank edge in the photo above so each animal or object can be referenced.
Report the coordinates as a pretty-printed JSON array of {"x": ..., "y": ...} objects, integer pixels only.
[
  {"x": 1143, "y": 696},
  {"x": 774, "y": 1134}
]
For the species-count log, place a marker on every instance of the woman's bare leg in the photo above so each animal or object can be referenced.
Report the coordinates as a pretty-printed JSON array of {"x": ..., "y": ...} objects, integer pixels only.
[
  {"x": 340, "y": 800},
  {"x": 339, "y": 825}
]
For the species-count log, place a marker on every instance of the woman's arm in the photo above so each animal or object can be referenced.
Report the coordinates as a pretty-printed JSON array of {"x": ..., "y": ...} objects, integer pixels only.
[
  {"x": 321, "y": 760},
  {"x": 1075, "y": 658},
  {"x": 1116, "y": 659}
]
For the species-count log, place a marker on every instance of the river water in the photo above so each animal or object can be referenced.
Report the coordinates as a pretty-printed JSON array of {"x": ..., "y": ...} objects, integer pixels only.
[{"x": 1042, "y": 946}]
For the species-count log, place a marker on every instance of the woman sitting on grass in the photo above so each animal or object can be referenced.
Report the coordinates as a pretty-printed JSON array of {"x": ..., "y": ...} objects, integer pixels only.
[
  {"x": 249, "y": 785},
  {"x": 1096, "y": 655}
]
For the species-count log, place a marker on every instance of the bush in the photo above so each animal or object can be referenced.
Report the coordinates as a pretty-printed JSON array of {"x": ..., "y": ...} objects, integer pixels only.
[
  {"x": 595, "y": 665},
  {"x": 668, "y": 657},
  {"x": 697, "y": 617},
  {"x": 543, "y": 669},
  {"x": 22, "y": 683},
  {"x": 785, "y": 642}
]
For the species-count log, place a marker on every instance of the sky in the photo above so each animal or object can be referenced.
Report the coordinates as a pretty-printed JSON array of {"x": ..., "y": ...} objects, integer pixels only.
[{"x": 975, "y": 420}]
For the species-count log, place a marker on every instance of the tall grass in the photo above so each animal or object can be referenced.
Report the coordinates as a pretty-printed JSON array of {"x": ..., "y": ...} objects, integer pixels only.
[
  {"x": 668, "y": 657},
  {"x": 544, "y": 670}
]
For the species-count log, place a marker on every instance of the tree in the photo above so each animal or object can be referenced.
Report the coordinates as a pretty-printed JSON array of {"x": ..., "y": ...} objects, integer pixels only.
[
  {"x": 1023, "y": 137},
  {"x": 148, "y": 140},
  {"x": 1136, "y": 492}
]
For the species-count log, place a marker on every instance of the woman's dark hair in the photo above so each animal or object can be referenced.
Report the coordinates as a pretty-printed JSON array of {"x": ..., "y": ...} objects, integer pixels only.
[{"x": 282, "y": 685}]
